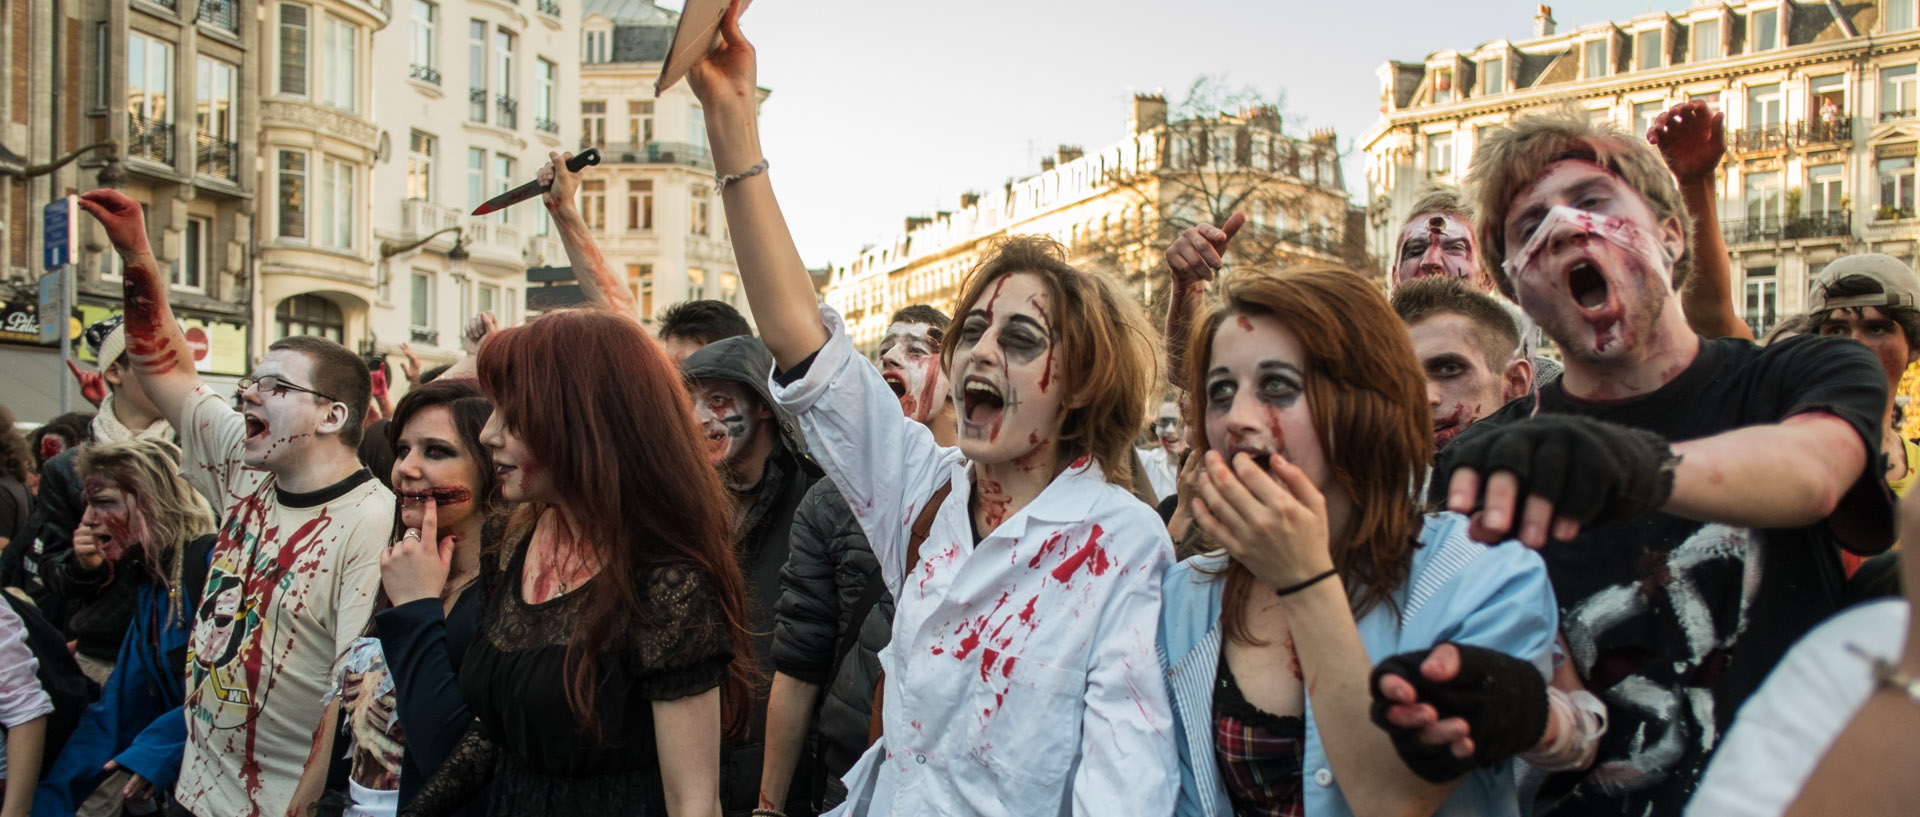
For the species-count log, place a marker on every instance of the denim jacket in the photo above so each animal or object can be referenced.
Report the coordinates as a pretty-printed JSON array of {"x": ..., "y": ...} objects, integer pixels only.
[{"x": 1457, "y": 590}]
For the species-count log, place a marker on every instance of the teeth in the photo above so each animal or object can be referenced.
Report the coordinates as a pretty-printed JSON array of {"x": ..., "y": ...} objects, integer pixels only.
[{"x": 982, "y": 388}]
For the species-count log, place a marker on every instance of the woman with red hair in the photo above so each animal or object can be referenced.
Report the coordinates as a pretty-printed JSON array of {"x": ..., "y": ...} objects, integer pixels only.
[{"x": 613, "y": 648}]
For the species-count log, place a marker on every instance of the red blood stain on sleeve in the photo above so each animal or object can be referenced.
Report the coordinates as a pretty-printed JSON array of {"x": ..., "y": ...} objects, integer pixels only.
[
  {"x": 1046, "y": 547},
  {"x": 1092, "y": 555}
]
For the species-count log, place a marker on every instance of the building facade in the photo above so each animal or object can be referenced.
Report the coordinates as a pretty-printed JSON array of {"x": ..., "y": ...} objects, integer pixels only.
[
  {"x": 1116, "y": 209},
  {"x": 171, "y": 85},
  {"x": 473, "y": 95},
  {"x": 1819, "y": 102},
  {"x": 650, "y": 204}
]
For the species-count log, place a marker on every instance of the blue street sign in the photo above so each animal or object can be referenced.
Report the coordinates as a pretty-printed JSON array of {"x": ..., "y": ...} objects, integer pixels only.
[
  {"x": 53, "y": 309},
  {"x": 58, "y": 234}
]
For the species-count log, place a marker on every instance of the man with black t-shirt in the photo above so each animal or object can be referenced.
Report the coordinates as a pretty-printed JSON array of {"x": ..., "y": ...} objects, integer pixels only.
[{"x": 1690, "y": 496}]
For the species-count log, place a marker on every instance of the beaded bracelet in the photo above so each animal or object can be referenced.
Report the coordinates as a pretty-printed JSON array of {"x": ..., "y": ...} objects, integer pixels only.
[{"x": 720, "y": 182}]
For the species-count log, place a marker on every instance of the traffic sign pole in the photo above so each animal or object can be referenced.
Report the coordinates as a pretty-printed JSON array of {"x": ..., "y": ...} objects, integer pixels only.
[
  {"x": 66, "y": 337},
  {"x": 61, "y": 242}
]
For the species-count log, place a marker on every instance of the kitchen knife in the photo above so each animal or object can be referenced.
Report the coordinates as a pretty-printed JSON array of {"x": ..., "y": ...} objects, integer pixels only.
[{"x": 586, "y": 158}]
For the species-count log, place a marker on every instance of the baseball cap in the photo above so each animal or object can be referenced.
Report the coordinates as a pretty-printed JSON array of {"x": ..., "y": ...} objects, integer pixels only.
[
  {"x": 1899, "y": 286},
  {"x": 107, "y": 340}
]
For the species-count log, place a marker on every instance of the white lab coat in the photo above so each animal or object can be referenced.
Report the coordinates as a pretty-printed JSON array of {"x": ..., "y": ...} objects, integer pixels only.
[{"x": 1022, "y": 677}]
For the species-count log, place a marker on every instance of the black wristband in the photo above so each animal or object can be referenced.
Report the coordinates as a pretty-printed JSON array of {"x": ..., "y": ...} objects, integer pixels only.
[{"x": 1292, "y": 589}]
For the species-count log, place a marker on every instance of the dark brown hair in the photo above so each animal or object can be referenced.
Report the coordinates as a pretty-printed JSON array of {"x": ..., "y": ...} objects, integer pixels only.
[
  {"x": 1497, "y": 333},
  {"x": 15, "y": 460},
  {"x": 470, "y": 410},
  {"x": 608, "y": 418},
  {"x": 339, "y": 374},
  {"x": 1369, "y": 404}
]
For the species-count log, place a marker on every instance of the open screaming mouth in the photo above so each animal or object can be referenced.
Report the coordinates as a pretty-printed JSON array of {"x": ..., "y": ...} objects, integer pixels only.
[
  {"x": 256, "y": 427},
  {"x": 894, "y": 382},
  {"x": 1587, "y": 286},
  {"x": 982, "y": 401}
]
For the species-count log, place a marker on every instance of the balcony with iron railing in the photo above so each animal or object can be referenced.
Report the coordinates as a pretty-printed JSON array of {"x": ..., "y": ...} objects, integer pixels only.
[
  {"x": 149, "y": 139},
  {"x": 507, "y": 112},
  {"x": 547, "y": 7},
  {"x": 1774, "y": 229},
  {"x": 1890, "y": 114},
  {"x": 477, "y": 104},
  {"x": 1778, "y": 135},
  {"x": 655, "y": 153},
  {"x": 1824, "y": 131},
  {"x": 547, "y": 125},
  {"x": 1769, "y": 136},
  {"x": 423, "y": 73},
  {"x": 215, "y": 156},
  {"x": 221, "y": 14}
]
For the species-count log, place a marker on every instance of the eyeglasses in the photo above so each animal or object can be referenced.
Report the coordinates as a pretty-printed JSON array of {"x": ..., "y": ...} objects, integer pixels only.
[{"x": 273, "y": 383}]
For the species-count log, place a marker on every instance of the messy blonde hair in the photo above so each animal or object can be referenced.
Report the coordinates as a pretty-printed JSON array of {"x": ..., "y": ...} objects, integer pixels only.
[
  {"x": 170, "y": 512},
  {"x": 1517, "y": 155},
  {"x": 1108, "y": 353}
]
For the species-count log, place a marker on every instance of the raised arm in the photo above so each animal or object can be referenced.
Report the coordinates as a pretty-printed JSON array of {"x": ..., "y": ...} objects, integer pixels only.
[
  {"x": 589, "y": 267},
  {"x": 155, "y": 344},
  {"x": 1194, "y": 258},
  {"x": 778, "y": 288},
  {"x": 1692, "y": 140}
]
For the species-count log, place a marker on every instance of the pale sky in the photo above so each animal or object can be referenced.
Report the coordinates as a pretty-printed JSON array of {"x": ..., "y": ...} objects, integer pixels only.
[{"x": 882, "y": 109}]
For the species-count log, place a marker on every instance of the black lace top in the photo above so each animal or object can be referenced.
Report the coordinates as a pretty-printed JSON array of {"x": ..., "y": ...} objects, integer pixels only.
[{"x": 525, "y": 741}]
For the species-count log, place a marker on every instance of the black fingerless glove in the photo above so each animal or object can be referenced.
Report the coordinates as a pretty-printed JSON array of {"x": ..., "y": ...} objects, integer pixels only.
[
  {"x": 1502, "y": 699},
  {"x": 1592, "y": 471}
]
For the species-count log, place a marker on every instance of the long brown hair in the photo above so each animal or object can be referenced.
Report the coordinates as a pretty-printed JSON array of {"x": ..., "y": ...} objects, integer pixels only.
[
  {"x": 1369, "y": 403},
  {"x": 611, "y": 423},
  {"x": 171, "y": 512},
  {"x": 1109, "y": 354}
]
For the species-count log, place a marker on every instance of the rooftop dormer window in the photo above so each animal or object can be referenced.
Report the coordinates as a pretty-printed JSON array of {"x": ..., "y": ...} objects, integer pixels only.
[{"x": 1493, "y": 75}]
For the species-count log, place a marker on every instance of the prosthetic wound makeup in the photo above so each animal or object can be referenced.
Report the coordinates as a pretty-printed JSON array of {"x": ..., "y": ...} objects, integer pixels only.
[
  {"x": 1581, "y": 226},
  {"x": 1436, "y": 245}
]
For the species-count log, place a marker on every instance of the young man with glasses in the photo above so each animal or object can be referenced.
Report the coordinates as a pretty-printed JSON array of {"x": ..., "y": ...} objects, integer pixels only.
[{"x": 299, "y": 547}]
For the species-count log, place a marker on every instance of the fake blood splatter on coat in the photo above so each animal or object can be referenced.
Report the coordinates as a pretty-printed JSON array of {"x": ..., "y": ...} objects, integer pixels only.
[{"x": 1091, "y": 555}]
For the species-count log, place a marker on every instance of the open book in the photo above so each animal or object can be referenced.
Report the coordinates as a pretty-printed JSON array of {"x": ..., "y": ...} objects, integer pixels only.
[{"x": 697, "y": 34}]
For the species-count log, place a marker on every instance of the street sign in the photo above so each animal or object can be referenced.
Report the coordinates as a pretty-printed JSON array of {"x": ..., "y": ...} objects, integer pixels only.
[
  {"x": 53, "y": 306},
  {"x": 58, "y": 234}
]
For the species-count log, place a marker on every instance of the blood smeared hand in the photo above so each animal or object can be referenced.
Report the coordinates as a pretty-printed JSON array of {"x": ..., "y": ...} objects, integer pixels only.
[
  {"x": 1196, "y": 255},
  {"x": 378, "y": 378},
  {"x": 1692, "y": 138},
  {"x": 86, "y": 548},
  {"x": 561, "y": 183},
  {"x": 416, "y": 567},
  {"x": 122, "y": 217},
  {"x": 92, "y": 385},
  {"x": 1273, "y": 521}
]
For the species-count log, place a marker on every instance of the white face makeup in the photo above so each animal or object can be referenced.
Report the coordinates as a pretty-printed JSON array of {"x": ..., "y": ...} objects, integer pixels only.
[
  {"x": 1592, "y": 265},
  {"x": 910, "y": 363},
  {"x": 1256, "y": 399},
  {"x": 1169, "y": 430},
  {"x": 730, "y": 418},
  {"x": 282, "y": 425},
  {"x": 1006, "y": 384},
  {"x": 1438, "y": 244}
]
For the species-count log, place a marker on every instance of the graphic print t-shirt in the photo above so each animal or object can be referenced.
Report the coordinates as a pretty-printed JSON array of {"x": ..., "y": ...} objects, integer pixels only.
[
  {"x": 1673, "y": 622},
  {"x": 291, "y": 585}
]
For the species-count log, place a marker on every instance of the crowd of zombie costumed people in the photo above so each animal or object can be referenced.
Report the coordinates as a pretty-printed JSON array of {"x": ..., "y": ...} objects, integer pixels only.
[{"x": 1303, "y": 549}]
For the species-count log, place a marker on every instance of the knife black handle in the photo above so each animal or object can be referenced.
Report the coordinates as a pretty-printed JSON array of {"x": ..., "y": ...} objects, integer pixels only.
[{"x": 584, "y": 159}]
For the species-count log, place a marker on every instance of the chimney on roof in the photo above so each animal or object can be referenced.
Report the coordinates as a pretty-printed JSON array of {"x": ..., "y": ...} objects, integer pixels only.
[
  {"x": 1543, "y": 22},
  {"x": 1149, "y": 111},
  {"x": 1046, "y": 163},
  {"x": 969, "y": 199},
  {"x": 1068, "y": 153}
]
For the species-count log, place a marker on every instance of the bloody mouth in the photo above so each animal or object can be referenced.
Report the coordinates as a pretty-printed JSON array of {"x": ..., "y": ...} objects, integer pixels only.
[
  {"x": 256, "y": 427},
  {"x": 894, "y": 382},
  {"x": 1587, "y": 286},
  {"x": 982, "y": 401},
  {"x": 444, "y": 495}
]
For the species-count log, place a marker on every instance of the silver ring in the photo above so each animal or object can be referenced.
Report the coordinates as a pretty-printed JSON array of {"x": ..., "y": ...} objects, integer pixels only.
[{"x": 412, "y": 533}]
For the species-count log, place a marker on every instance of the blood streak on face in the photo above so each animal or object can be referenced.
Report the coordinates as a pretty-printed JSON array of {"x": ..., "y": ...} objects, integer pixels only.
[
  {"x": 1001, "y": 360},
  {"x": 1255, "y": 399},
  {"x": 910, "y": 363},
  {"x": 730, "y": 418},
  {"x": 1437, "y": 244},
  {"x": 114, "y": 517},
  {"x": 432, "y": 459}
]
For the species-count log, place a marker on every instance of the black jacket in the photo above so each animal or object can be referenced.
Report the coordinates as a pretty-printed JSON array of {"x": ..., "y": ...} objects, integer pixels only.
[
  {"x": 56, "y": 512},
  {"x": 760, "y": 540},
  {"x": 825, "y": 600}
]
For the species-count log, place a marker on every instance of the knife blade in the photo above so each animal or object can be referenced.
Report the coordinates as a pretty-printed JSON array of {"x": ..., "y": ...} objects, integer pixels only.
[{"x": 585, "y": 159}]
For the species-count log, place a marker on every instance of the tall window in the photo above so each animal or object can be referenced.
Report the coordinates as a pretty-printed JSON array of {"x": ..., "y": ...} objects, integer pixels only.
[
  {"x": 640, "y": 278},
  {"x": 1765, "y": 106},
  {"x": 336, "y": 206},
  {"x": 697, "y": 128},
  {"x": 476, "y": 177},
  {"x": 477, "y": 70},
  {"x": 149, "y": 77},
  {"x": 696, "y": 283},
  {"x": 1644, "y": 113},
  {"x": 1828, "y": 102},
  {"x": 1646, "y": 49},
  {"x": 594, "y": 47},
  {"x": 421, "y": 315},
  {"x": 700, "y": 209},
  {"x": 420, "y": 150},
  {"x": 543, "y": 113},
  {"x": 1766, "y": 30},
  {"x": 1594, "y": 57},
  {"x": 593, "y": 203},
  {"x": 1764, "y": 203},
  {"x": 1762, "y": 300},
  {"x": 640, "y": 205},
  {"x": 420, "y": 47},
  {"x": 293, "y": 49},
  {"x": 1493, "y": 76},
  {"x": 1706, "y": 40},
  {"x": 310, "y": 315},
  {"x": 190, "y": 272},
  {"x": 1896, "y": 187},
  {"x": 503, "y": 63},
  {"x": 640, "y": 122},
  {"x": 1599, "y": 116},
  {"x": 1896, "y": 92},
  {"x": 1826, "y": 186},
  {"x": 292, "y": 199},
  {"x": 340, "y": 64},
  {"x": 1439, "y": 154},
  {"x": 593, "y": 123},
  {"x": 213, "y": 109},
  {"x": 502, "y": 179},
  {"x": 103, "y": 50},
  {"x": 1899, "y": 15},
  {"x": 1442, "y": 85}
]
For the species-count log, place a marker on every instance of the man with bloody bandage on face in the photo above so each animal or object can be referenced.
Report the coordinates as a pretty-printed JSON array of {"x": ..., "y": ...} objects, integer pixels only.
[
  {"x": 761, "y": 457},
  {"x": 296, "y": 565},
  {"x": 1689, "y": 496}
]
